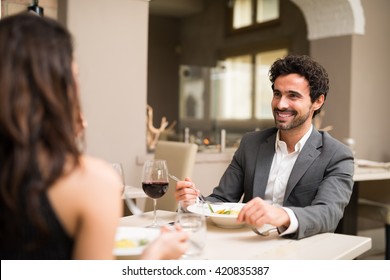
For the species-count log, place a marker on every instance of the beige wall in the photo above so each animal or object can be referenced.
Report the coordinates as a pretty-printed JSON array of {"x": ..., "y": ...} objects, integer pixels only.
[
  {"x": 335, "y": 55},
  {"x": 370, "y": 103},
  {"x": 358, "y": 102},
  {"x": 111, "y": 50}
]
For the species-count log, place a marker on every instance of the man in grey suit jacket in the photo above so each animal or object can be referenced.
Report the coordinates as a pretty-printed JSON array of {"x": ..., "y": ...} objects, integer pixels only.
[{"x": 291, "y": 176}]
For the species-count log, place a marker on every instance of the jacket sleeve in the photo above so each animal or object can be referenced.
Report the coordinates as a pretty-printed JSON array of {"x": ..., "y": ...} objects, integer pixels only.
[{"x": 326, "y": 198}]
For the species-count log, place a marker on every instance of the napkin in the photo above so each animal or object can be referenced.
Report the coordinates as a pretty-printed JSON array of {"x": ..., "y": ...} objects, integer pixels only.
[{"x": 369, "y": 163}]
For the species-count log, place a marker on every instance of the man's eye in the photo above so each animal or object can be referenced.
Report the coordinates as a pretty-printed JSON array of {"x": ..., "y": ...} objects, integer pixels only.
[{"x": 276, "y": 94}]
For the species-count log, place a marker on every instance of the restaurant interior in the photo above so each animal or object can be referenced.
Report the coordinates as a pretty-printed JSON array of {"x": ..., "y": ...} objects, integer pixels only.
[{"x": 138, "y": 57}]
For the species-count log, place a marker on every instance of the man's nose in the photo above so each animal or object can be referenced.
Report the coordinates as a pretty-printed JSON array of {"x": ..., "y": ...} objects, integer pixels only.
[{"x": 282, "y": 103}]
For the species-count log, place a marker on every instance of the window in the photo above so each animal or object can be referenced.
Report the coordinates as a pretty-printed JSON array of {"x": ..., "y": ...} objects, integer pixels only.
[
  {"x": 242, "y": 13},
  {"x": 247, "y": 13},
  {"x": 263, "y": 91},
  {"x": 193, "y": 82},
  {"x": 267, "y": 10},
  {"x": 242, "y": 90},
  {"x": 231, "y": 89},
  {"x": 235, "y": 95}
]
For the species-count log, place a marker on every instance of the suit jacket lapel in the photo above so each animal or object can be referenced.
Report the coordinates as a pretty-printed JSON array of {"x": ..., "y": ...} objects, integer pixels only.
[
  {"x": 305, "y": 158},
  {"x": 263, "y": 165}
]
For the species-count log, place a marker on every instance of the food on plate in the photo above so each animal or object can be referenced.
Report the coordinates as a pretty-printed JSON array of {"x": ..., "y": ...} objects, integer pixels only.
[
  {"x": 224, "y": 215},
  {"x": 227, "y": 212},
  {"x": 126, "y": 243}
]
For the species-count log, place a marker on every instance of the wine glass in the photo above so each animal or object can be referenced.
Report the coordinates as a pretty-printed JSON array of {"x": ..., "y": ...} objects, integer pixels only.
[
  {"x": 119, "y": 168},
  {"x": 155, "y": 182},
  {"x": 131, "y": 204}
]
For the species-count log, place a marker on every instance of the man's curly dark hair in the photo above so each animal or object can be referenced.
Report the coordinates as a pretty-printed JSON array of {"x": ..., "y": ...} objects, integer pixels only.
[{"x": 305, "y": 66}]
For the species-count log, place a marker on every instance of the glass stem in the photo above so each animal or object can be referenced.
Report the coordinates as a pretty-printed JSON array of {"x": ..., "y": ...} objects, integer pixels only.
[{"x": 155, "y": 214}]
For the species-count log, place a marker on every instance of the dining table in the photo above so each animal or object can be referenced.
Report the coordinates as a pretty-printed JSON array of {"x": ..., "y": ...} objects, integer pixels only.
[
  {"x": 243, "y": 244},
  {"x": 365, "y": 171}
]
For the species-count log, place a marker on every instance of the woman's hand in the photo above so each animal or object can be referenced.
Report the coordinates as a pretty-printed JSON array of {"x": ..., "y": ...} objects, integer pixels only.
[{"x": 171, "y": 244}]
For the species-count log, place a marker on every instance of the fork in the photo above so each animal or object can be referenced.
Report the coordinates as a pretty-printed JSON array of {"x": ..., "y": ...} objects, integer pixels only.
[
  {"x": 263, "y": 233},
  {"x": 201, "y": 197}
]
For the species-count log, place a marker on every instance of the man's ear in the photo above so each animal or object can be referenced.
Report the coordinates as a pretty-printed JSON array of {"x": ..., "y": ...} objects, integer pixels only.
[{"x": 319, "y": 102}]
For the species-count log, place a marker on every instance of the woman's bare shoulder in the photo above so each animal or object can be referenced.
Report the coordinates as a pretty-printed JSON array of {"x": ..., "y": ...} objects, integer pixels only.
[
  {"x": 93, "y": 187},
  {"x": 94, "y": 166},
  {"x": 97, "y": 171},
  {"x": 94, "y": 174}
]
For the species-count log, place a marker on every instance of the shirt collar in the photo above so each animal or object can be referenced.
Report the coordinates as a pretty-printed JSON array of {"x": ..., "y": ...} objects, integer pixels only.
[{"x": 298, "y": 146}]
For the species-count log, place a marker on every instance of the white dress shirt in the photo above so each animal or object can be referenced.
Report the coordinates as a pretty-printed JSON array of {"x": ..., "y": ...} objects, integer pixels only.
[{"x": 282, "y": 164}]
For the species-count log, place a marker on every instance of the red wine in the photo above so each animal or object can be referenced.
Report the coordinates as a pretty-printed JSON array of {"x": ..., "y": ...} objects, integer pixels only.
[{"x": 155, "y": 189}]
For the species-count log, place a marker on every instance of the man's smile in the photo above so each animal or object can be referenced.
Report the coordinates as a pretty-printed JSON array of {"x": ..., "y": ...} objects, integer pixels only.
[{"x": 283, "y": 115}]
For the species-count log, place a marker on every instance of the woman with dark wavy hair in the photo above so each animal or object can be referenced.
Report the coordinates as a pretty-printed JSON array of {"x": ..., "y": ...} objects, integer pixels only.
[{"x": 55, "y": 202}]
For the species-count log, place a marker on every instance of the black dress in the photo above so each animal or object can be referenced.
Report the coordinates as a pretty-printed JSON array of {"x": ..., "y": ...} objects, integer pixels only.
[{"x": 31, "y": 244}]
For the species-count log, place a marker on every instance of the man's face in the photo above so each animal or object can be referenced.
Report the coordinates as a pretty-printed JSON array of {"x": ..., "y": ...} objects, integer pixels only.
[{"x": 291, "y": 103}]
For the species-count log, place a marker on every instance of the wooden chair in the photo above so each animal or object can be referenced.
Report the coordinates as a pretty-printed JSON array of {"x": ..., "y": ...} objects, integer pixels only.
[
  {"x": 374, "y": 204},
  {"x": 180, "y": 159}
]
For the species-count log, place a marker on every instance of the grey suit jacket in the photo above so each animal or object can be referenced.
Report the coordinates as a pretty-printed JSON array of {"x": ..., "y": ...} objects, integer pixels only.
[{"x": 319, "y": 186}]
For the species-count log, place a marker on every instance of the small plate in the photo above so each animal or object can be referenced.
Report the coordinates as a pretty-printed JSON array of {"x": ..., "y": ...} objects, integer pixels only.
[
  {"x": 220, "y": 220},
  {"x": 131, "y": 241}
]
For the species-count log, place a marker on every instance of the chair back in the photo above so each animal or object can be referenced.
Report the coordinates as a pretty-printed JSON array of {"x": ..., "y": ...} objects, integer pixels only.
[
  {"x": 376, "y": 191},
  {"x": 180, "y": 159}
]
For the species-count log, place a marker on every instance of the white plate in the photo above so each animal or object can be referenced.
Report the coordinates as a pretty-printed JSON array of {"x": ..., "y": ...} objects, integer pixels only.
[
  {"x": 220, "y": 220},
  {"x": 137, "y": 235}
]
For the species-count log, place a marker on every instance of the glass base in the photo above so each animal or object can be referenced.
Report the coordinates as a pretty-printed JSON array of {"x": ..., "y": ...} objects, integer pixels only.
[{"x": 154, "y": 225}]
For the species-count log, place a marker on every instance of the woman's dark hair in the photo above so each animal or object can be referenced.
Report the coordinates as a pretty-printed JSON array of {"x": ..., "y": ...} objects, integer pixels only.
[
  {"x": 305, "y": 66},
  {"x": 40, "y": 116}
]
